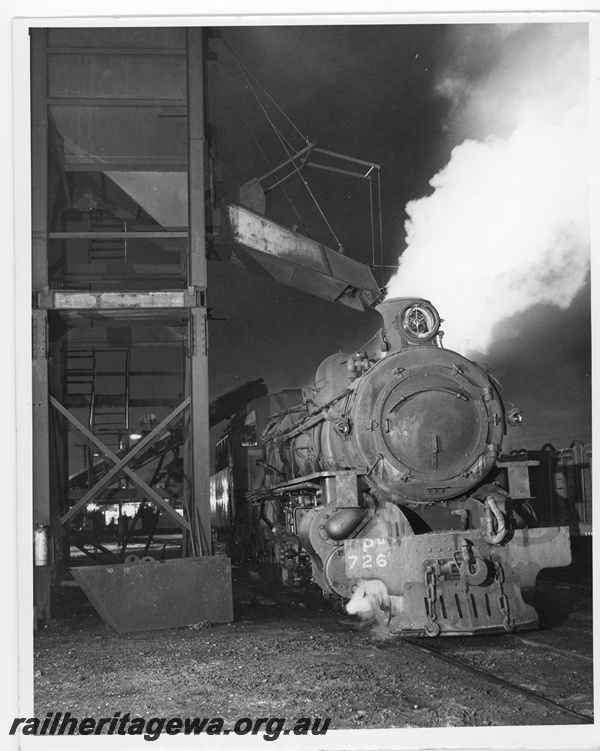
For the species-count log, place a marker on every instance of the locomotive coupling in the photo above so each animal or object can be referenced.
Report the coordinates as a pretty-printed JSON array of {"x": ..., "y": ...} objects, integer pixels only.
[{"x": 474, "y": 570}]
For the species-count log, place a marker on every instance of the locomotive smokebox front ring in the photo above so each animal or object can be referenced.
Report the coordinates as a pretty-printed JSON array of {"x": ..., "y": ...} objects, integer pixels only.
[{"x": 437, "y": 423}]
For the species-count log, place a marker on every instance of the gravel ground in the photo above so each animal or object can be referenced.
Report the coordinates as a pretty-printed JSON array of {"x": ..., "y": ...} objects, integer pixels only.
[{"x": 298, "y": 658}]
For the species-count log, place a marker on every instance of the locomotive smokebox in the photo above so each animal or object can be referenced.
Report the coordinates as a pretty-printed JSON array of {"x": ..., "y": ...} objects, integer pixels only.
[{"x": 408, "y": 321}]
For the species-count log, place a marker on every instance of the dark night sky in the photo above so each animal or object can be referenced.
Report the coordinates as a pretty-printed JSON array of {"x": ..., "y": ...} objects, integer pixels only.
[{"x": 369, "y": 92}]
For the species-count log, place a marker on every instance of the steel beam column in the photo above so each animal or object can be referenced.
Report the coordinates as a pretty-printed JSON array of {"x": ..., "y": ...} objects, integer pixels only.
[
  {"x": 196, "y": 146},
  {"x": 39, "y": 226},
  {"x": 197, "y": 454},
  {"x": 39, "y": 160}
]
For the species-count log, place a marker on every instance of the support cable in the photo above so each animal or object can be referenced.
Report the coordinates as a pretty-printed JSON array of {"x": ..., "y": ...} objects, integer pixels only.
[
  {"x": 266, "y": 158},
  {"x": 372, "y": 222},
  {"x": 261, "y": 106},
  {"x": 279, "y": 108},
  {"x": 380, "y": 225},
  {"x": 242, "y": 68},
  {"x": 282, "y": 139},
  {"x": 286, "y": 146}
]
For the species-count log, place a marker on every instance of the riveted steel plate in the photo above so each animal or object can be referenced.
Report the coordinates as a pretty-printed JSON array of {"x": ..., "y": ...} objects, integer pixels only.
[
  {"x": 270, "y": 249},
  {"x": 145, "y": 596}
]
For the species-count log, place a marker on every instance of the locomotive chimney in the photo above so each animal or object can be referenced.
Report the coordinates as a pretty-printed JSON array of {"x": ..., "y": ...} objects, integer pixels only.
[{"x": 408, "y": 321}]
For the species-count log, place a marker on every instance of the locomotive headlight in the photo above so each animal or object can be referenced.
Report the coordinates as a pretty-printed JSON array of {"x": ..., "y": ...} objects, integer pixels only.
[
  {"x": 514, "y": 417},
  {"x": 419, "y": 322}
]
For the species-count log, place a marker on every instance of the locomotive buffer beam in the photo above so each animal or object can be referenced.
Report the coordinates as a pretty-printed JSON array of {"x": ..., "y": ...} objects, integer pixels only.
[{"x": 431, "y": 575}]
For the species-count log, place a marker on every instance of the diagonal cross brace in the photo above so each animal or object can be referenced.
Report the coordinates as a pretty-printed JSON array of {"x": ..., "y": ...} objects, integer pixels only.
[{"x": 121, "y": 464}]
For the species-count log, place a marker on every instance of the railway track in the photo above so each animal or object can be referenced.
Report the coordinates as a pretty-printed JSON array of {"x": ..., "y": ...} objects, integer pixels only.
[
  {"x": 552, "y": 667},
  {"x": 556, "y": 650},
  {"x": 439, "y": 653},
  {"x": 548, "y": 674}
]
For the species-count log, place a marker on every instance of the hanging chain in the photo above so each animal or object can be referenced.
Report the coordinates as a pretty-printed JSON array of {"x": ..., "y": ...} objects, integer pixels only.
[
  {"x": 433, "y": 628},
  {"x": 503, "y": 601}
]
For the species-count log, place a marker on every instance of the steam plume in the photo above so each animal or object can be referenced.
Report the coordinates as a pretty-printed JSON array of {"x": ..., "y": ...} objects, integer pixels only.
[
  {"x": 507, "y": 223},
  {"x": 369, "y": 599}
]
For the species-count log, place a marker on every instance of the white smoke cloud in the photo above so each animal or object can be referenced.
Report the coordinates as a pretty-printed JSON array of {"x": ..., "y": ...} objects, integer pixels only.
[
  {"x": 369, "y": 599},
  {"x": 507, "y": 224},
  {"x": 372, "y": 604}
]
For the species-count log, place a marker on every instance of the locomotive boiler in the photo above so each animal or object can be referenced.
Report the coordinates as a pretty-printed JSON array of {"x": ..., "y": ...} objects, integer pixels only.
[{"x": 382, "y": 483}]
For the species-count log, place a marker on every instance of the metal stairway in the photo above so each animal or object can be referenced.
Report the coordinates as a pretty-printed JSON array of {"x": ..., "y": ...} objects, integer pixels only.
[
  {"x": 100, "y": 381},
  {"x": 105, "y": 250},
  {"x": 109, "y": 402}
]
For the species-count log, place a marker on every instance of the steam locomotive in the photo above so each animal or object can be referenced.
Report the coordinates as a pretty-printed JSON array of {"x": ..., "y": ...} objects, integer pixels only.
[{"x": 383, "y": 482}]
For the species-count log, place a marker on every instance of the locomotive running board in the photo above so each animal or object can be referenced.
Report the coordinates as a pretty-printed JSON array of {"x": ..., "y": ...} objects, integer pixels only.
[{"x": 151, "y": 595}]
